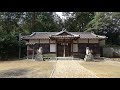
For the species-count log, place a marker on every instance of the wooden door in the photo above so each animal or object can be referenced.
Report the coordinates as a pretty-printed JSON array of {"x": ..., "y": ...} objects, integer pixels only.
[
  {"x": 60, "y": 50},
  {"x": 68, "y": 50}
]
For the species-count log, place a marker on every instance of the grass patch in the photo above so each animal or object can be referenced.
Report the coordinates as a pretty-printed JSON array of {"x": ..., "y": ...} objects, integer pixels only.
[
  {"x": 103, "y": 69},
  {"x": 13, "y": 73},
  {"x": 26, "y": 69}
]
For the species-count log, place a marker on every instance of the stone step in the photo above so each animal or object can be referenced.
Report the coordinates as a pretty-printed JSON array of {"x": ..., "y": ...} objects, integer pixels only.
[{"x": 64, "y": 58}]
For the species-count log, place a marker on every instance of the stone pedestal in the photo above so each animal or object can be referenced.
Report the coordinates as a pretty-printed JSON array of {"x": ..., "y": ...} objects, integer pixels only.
[
  {"x": 39, "y": 57},
  {"x": 88, "y": 57}
]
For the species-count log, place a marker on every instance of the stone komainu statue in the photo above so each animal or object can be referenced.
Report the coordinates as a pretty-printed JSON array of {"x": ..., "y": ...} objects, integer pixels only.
[
  {"x": 39, "y": 55},
  {"x": 88, "y": 51},
  {"x": 88, "y": 55},
  {"x": 40, "y": 50}
]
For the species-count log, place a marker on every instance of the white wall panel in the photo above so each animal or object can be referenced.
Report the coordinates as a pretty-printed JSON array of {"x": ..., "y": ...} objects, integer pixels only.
[
  {"x": 75, "y": 47},
  {"x": 52, "y": 47}
]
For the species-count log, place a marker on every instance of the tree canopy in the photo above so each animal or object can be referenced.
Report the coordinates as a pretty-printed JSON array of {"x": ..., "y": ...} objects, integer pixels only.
[
  {"x": 108, "y": 24},
  {"x": 13, "y": 23},
  {"x": 77, "y": 21}
]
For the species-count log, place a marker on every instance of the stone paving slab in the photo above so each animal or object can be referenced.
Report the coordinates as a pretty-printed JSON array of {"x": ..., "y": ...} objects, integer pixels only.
[{"x": 71, "y": 69}]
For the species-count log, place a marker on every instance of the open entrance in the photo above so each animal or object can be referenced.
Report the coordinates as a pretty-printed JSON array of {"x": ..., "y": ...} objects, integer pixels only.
[{"x": 63, "y": 49}]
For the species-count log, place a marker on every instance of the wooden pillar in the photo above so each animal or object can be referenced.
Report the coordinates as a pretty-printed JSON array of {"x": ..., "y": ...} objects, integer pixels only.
[
  {"x": 88, "y": 42},
  {"x": 49, "y": 45},
  {"x": 78, "y": 46},
  {"x": 27, "y": 51},
  {"x": 72, "y": 48},
  {"x": 39, "y": 42},
  {"x": 56, "y": 48},
  {"x": 64, "y": 51},
  {"x": 33, "y": 53}
]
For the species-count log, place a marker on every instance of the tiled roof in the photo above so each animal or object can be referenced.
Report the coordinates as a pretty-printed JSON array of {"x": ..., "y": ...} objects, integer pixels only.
[{"x": 46, "y": 35}]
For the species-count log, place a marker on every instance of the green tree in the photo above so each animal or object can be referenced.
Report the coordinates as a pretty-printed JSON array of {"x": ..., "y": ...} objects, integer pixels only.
[
  {"x": 13, "y": 23},
  {"x": 9, "y": 28},
  {"x": 108, "y": 24},
  {"x": 77, "y": 21},
  {"x": 41, "y": 21}
]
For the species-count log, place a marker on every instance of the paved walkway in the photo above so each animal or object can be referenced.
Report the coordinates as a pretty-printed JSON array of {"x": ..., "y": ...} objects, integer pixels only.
[{"x": 71, "y": 69}]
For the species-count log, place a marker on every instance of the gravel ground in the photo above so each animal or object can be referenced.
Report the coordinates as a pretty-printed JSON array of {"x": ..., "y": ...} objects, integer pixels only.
[{"x": 71, "y": 69}]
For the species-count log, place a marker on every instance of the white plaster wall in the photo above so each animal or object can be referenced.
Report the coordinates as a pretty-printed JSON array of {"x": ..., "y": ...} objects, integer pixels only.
[
  {"x": 83, "y": 40},
  {"x": 34, "y": 40},
  {"x": 102, "y": 43},
  {"x": 93, "y": 41},
  {"x": 52, "y": 47},
  {"x": 86, "y": 41},
  {"x": 44, "y": 41},
  {"x": 52, "y": 41},
  {"x": 75, "y": 47}
]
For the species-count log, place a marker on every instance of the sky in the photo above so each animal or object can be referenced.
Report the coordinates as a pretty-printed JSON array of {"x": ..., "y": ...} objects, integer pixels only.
[
  {"x": 60, "y": 14},
  {"x": 62, "y": 17}
]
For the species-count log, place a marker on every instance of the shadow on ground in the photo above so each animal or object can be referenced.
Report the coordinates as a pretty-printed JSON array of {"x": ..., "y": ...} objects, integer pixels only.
[{"x": 13, "y": 73}]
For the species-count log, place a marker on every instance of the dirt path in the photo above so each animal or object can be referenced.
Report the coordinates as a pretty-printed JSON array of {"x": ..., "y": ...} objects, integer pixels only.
[{"x": 71, "y": 69}]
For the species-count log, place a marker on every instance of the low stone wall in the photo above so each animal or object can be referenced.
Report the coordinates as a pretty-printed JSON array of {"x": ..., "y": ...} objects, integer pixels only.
[{"x": 111, "y": 52}]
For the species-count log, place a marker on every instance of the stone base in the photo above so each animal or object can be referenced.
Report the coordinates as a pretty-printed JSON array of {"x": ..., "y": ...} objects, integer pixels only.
[
  {"x": 88, "y": 57},
  {"x": 39, "y": 58}
]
